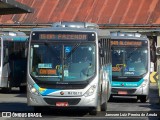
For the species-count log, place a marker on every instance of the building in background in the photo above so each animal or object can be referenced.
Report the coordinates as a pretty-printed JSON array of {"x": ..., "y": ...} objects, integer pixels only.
[{"x": 116, "y": 15}]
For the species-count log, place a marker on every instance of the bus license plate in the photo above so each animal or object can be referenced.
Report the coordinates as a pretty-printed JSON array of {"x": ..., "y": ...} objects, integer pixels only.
[
  {"x": 62, "y": 104},
  {"x": 122, "y": 92}
]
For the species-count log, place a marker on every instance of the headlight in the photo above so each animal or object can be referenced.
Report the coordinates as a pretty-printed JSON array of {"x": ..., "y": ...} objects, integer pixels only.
[
  {"x": 90, "y": 91},
  {"x": 144, "y": 82},
  {"x": 33, "y": 90}
]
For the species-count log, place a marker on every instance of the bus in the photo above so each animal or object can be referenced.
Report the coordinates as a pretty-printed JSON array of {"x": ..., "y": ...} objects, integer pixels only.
[
  {"x": 130, "y": 65},
  {"x": 13, "y": 60},
  {"x": 69, "y": 66}
]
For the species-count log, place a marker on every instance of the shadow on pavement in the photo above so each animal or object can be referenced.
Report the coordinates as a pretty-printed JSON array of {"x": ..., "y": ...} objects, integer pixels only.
[{"x": 15, "y": 107}]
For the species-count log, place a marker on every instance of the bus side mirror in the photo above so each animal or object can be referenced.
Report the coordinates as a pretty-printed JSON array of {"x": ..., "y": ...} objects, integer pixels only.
[{"x": 101, "y": 52}]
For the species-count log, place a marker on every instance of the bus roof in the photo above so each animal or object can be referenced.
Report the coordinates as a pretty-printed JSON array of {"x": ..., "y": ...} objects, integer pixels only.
[
  {"x": 15, "y": 38},
  {"x": 75, "y": 26},
  {"x": 62, "y": 29},
  {"x": 128, "y": 35},
  {"x": 98, "y": 31},
  {"x": 129, "y": 38}
]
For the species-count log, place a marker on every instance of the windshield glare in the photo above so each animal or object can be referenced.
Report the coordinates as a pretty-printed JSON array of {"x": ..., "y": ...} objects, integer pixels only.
[
  {"x": 129, "y": 61},
  {"x": 62, "y": 63}
]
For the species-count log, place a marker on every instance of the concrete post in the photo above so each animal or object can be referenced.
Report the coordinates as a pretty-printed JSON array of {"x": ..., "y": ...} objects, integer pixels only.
[
  {"x": 158, "y": 56},
  {"x": 158, "y": 66},
  {"x": 158, "y": 82}
]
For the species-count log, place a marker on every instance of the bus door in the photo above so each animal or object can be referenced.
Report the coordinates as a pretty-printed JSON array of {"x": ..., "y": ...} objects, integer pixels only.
[
  {"x": 18, "y": 63},
  {"x": 5, "y": 64}
]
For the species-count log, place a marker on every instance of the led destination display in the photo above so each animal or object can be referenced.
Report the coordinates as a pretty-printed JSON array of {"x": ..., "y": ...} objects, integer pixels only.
[{"x": 89, "y": 36}]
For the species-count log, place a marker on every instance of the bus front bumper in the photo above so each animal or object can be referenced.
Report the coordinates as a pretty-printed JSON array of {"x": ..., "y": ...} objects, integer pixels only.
[
  {"x": 125, "y": 91},
  {"x": 38, "y": 100}
]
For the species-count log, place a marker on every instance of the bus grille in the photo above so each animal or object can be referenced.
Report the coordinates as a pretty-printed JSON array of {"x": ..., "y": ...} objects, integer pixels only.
[
  {"x": 129, "y": 91},
  {"x": 52, "y": 101}
]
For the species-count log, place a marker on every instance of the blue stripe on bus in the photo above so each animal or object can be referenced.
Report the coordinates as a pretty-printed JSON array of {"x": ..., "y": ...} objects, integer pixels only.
[
  {"x": 45, "y": 91},
  {"x": 127, "y": 84},
  {"x": 16, "y": 38}
]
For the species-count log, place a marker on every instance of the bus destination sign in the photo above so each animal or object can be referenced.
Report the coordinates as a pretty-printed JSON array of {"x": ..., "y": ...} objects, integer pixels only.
[
  {"x": 87, "y": 36},
  {"x": 63, "y": 36},
  {"x": 127, "y": 43}
]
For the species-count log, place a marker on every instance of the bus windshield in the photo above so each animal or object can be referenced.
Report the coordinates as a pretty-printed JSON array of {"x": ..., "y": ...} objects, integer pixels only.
[
  {"x": 129, "y": 61},
  {"x": 62, "y": 62}
]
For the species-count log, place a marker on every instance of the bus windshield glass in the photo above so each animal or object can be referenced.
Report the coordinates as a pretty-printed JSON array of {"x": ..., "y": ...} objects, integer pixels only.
[
  {"x": 129, "y": 61},
  {"x": 57, "y": 62}
]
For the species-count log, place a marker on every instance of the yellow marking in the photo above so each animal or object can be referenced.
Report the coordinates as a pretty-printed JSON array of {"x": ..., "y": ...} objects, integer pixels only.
[
  {"x": 154, "y": 77},
  {"x": 118, "y": 65},
  {"x": 42, "y": 89}
]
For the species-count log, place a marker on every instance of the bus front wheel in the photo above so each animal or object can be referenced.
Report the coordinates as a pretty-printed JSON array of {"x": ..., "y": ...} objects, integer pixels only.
[
  {"x": 93, "y": 111},
  {"x": 142, "y": 98},
  {"x": 8, "y": 88},
  {"x": 104, "y": 105}
]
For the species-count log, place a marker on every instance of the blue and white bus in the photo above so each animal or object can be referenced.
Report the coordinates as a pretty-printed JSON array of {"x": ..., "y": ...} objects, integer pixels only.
[
  {"x": 69, "y": 65},
  {"x": 13, "y": 60},
  {"x": 130, "y": 65}
]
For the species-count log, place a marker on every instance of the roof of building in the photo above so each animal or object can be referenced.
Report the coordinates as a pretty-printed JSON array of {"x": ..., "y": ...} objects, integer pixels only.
[
  {"x": 13, "y": 7},
  {"x": 103, "y": 12}
]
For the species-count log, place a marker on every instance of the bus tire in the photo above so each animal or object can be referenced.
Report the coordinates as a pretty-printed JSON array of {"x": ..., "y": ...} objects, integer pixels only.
[
  {"x": 143, "y": 98},
  {"x": 110, "y": 98},
  {"x": 93, "y": 111},
  {"x": 8, "y": 88},
  {"x": 104, "y": 106}
]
